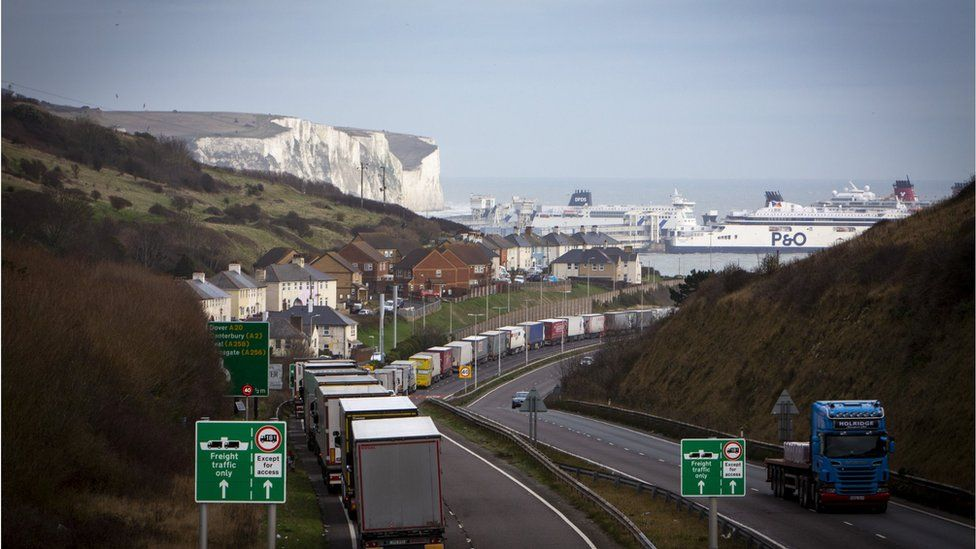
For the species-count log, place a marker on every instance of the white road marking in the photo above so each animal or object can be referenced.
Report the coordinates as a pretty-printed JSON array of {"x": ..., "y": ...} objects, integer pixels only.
[
  {"x": 626, "y": 449},
  {"x": 880, "y": 536},
  {"x": 754, "y": 489},
  {"x": 917, "y": 510},
  {"x": 526, "y": 488},
  {"x": 641, "y": 453},
  {"x": 352, "y": 531},
  {"x": 661, "y": 460},
  {"x": 847, "y": 523},
  {"x": 611, "y": 444}
]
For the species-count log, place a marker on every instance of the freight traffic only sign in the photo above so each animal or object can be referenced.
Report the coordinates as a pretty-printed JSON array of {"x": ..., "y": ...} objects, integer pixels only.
[
  {"x": 244, "y": 348},
  {"x": 713, "y": 467},
  {"x": 240, "y": 462}
]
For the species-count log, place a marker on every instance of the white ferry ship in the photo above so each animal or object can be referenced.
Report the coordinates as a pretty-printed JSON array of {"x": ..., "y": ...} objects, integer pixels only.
[
  {"x": 640, "y": 226},
  {"x": 903, "y": 192},
  {"x": 784, "y": 227}
]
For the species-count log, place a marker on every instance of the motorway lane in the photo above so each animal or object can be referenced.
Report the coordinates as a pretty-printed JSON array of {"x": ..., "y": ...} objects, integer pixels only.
[
  {"x": 485, "y": 508},
  {"x": 655, "y": 460}
]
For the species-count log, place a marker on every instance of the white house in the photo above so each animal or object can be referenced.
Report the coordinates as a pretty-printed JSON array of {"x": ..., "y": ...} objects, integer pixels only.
[
  {"x": 296, "y": 284},
  {"x": 328, "y": 331},
  {"x": 215, "y": 302},
  {"x": 247, "y": 296}
]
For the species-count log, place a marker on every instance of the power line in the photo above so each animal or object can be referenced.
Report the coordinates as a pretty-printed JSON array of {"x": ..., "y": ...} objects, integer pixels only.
[{"x": 52, "y": 94}]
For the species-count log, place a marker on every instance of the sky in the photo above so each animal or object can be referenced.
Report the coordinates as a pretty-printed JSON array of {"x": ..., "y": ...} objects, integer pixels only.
[{"x": 664, "y": 89}]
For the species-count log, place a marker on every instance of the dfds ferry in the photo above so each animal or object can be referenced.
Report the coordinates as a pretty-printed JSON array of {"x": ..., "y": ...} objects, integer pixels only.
[{"x": 784, "y": 227}]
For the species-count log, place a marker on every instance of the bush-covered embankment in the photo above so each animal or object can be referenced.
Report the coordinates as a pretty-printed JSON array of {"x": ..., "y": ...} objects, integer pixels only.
[
  {"x": 888, "y": 315},
  {"x": 105, "y": 369}
]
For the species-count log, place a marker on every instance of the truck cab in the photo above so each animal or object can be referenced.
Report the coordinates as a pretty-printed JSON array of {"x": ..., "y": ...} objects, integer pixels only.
[{"x": 849, "y": 447}]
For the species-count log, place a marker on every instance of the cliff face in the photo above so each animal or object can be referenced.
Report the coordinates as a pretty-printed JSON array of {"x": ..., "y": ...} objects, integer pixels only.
[
  {"x": 325, "y": 153},
  {"x": 317, "y": 152}
]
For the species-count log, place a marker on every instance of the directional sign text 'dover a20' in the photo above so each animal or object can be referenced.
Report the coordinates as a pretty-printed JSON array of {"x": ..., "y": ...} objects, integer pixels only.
[
  {"x": 713, "y": 467},
  {"x": 240, "y": 462}
]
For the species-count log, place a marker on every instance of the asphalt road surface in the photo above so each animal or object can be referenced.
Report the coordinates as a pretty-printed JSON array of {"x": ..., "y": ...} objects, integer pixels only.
[{"x": 656, "y": 460}]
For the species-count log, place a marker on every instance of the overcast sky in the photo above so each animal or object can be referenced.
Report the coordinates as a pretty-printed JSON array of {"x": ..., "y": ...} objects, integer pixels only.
[{"x": 814, "y": 89}]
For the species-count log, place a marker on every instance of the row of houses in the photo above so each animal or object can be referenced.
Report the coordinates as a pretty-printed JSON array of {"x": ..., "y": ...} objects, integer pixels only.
[{"x": 306, "y": 301}]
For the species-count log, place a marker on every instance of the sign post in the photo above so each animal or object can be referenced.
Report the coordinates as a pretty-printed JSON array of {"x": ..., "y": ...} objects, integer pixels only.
[
  {"x": 464, "y": 372},
  {"x": 713, "y": 468},
  {"x": 532, "y": 405},
  {"x": 244, "y": 348}
]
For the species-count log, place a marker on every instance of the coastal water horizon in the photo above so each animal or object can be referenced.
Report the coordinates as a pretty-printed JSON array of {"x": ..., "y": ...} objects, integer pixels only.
[{"x": 722, "y": 195}]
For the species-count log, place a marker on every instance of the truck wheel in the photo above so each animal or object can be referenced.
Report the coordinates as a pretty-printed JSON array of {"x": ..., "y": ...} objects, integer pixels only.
[
  {"x": 777, "y": 484},
  {"x": 801, "y": 492},
  {"x": 881, "y": 508},
  {"x": 815, "y": 502}
]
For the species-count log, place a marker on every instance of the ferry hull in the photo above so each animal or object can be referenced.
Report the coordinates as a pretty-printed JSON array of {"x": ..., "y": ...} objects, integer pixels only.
[{"x": 672, "y": 249}]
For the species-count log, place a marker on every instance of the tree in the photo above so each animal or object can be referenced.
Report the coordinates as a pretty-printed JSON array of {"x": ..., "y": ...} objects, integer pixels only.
[
  {"x": 184, "y": 267},
  {"x": 689, "y": 286}
]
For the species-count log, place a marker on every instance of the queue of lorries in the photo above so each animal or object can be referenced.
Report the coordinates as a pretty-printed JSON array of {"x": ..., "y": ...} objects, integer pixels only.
[{"x": 374, "y": 448}]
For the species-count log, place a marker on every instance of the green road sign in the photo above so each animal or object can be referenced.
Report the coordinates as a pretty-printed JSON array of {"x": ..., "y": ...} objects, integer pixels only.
[
  {"x": 244, "y": 346},
  {"x": 240, "y": 462},
  {"x": 713, "y": 467}
]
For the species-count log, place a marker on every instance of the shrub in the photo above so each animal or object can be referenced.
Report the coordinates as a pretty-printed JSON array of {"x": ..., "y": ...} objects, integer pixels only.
[
  {"x": 119, "y": 203},
  {"x": 53, "y": 178},
  {"x": 242, "y": 214},
  {"x": 95, "y": 194}
]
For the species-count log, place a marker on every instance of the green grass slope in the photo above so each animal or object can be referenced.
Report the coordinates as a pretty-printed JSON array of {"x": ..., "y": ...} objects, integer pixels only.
[
  {"x": 136, "y": 197},
  {"x": 888, "y": 315}
]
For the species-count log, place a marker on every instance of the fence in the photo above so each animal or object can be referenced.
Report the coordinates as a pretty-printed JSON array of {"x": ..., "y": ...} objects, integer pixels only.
[
  {"x": 574, "y": 306},
  {"x": 418, "y": 312},
  {"x": 729, "y": 528},
  {"x": 941, "y": 496}
]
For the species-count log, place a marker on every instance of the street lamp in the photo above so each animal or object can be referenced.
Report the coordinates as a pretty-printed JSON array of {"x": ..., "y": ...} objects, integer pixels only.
[
  {"x": 499, "y": 346},
  {"x": 475, "y": 347}
]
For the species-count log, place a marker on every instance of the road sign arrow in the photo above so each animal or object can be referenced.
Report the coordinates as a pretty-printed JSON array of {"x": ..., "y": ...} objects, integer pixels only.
[
  {"x": 701, "y": 486},
  {"x": 267, "y": 489},
  {"x": 223, "y": 488},
  {"x": 732, "y": 485}
]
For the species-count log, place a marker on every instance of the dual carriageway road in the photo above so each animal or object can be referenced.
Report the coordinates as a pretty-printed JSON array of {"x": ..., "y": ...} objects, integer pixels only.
[{"x": 656, "y": 460}]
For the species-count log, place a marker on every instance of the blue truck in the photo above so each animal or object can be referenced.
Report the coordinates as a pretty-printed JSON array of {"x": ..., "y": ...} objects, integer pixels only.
[
  {"x": 535, "y": 333},
  {"x": 845, "y": 462}
]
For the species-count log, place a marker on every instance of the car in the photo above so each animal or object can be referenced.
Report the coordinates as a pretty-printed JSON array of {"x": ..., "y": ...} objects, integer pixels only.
[
  {"x": 519, "y": 279},
  {"x": 388, "y": 306},
  {"x": 364, "y": 312},
  {"x": 701, "y": 454},
  {"x": 534, "y": 277},
  {"x": 586, "y": 361},
  {"x": 519, "y": 398},
  {"x": 355, "y": 306}
]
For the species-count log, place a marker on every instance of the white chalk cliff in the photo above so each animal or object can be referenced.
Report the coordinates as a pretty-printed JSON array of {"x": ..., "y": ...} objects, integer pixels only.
[{"x": 312, "y": 151}]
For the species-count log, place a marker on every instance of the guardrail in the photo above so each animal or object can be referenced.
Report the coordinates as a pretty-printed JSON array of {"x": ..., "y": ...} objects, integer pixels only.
[
  {"x": 580, "y": 488},
  {"x": 934, "y": 494},
  {"x": 728, "y": 528}
]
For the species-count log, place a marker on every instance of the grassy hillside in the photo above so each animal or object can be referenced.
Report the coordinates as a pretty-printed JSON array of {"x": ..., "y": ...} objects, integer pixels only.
[
  {"x": 146, "y": 199},
  {"x": 889, "y": 315}
]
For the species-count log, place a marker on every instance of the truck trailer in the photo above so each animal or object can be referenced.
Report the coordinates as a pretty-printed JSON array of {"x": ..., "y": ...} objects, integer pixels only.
[
  {"x": 555, "y": 330},
  {"x": 353, "y": 409},
  {"x": 574, "y": 327},
  {"x": 326, "y": 420},
  {"x": 465, "y": 355},
  {"x": 497, "y": 343},
  {"x": 396, "y": 463},
  {"x": 845, "y": 462},
  {"x": 409, "y": 368},
  {"x": 593, "y": 325},
  {"x": 535, "y": 334},
  {"x": 447, "y": 359},
  {"x": 516, "y": 338},
  {"x": 479, "y": 346}
]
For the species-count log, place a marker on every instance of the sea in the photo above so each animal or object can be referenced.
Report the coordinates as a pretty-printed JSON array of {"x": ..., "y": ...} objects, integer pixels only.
[{"x": 720, "y": 195}]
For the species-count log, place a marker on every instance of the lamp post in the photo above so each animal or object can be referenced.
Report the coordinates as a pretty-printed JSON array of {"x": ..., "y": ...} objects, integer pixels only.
[
  {"x": 362, "y": 171},
  {"x": 476, "y": 315},
  {"x": 499, "y": 354},
  {"x": 451, "y": 319}
]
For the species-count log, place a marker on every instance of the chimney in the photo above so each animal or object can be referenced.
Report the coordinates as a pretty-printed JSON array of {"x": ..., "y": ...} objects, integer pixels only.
[
  {"x": 298, "y": 260},
  {"x": 556, "y": 229},
  {"x": 629, "y": 249},
  {"x": 593, "y": 228},
  {"x": 583, "y": 229},
  {"x": 200, "y": 276},
  {"x": 296, "y": 322},
  {"x": 260, "y": 275},
  {"x": 234, "y": 268},
  {"x": 528, "y": 231}
]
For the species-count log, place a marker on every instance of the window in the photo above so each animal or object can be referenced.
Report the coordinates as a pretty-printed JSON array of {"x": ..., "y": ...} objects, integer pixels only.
[
  {"x": 437, "y": 273},
  {"x": 601, "y": 267},
  {"x": 355, "y": 265},
  {"x": 367, "y": 266}
]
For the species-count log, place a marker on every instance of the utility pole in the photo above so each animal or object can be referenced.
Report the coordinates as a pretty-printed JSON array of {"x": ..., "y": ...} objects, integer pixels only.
[
  {"x": 362, "y": 197},
  {"x": 395, "y": 288},
  {"x": 383, "y": 168}
]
